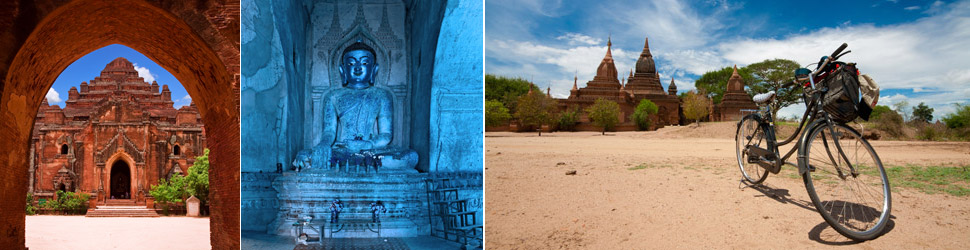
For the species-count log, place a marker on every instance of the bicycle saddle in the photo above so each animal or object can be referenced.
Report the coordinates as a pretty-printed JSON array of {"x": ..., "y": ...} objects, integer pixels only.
[{"x": 764, "y": 97}]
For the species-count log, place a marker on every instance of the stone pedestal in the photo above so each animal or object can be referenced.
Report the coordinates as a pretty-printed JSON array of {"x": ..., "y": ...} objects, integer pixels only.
[
  {"x": 309, "y": 193},
  {"x": 192, "y": 207}
]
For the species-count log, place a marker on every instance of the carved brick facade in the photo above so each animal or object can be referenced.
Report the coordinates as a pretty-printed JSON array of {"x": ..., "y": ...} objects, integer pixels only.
[{"x": 114, "y": 138}]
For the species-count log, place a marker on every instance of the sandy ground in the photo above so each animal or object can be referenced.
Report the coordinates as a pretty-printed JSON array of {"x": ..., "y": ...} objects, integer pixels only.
[
  {"x": 689, "y": 197},
  {"x": 79, "y": 232}
]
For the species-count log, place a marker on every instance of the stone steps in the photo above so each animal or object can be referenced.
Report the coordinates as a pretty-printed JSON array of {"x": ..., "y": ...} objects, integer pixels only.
[{"x": 121, "y": 211}]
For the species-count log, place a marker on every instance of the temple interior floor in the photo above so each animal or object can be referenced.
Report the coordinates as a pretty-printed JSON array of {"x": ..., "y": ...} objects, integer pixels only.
[
  {"x": 261, "y": 240},
  {"x": 79, "y": 232}
]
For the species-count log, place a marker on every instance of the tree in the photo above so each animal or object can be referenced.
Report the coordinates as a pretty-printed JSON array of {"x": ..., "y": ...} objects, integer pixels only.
[
  {"x": 878, "y": 111},
  {"x": 696, "y": 106},
  {"x": 197, "y": 182},
  {"x": 496, "y": 114},
  {"x": 568, "y": 119},
  {"x": 604, "y": 113},
  {"x": 641, "y": 115},
  {"x": 960, "y": 118},
  {"x": 771, "y": 75},
  {"x": 714, "y": 83},
  {"x": 507, "y": 90},
  {"x": 535, "y": 109},
  {"x": 922, "y": 113},
  {"x": 901, "y": 107},
  {"x": 168, "y": 192}
]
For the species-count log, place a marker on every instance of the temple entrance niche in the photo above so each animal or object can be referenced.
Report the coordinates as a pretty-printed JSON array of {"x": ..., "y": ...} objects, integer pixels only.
[
  {"x": 120, "y": 180},
  {"x": 344, "y": 147}
]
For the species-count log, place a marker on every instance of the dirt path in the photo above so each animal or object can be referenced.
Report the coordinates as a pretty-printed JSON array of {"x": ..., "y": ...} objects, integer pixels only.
[{"x": 688, "y": 196}]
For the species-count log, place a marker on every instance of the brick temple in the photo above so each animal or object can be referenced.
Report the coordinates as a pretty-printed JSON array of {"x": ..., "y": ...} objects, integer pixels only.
[
  {"x": 642, "y": 83},
  {"x": 735, "y": 99},
  {"x": 114, "y": 138}
]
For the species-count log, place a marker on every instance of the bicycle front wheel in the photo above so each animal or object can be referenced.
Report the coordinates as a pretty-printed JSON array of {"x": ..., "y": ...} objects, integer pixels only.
[
  {"x": 750, "y": 133},
  {"x": 847, "y": 182}
]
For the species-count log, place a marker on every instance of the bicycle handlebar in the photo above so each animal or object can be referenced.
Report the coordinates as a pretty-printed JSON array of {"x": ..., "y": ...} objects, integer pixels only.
[
  {"x": 829, "y": 59},
  {"x": 839, "y": 51}
]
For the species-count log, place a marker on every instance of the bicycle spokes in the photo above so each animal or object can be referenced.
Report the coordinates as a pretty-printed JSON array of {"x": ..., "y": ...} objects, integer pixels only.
[{"x": 848, "y": 184}]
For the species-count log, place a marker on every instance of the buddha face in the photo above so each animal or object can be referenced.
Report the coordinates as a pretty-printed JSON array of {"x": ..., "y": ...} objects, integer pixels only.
[{"x": 358, "y": 68}]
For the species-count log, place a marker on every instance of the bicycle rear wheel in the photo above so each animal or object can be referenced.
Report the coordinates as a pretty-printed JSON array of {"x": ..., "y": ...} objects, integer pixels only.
[
  {"x": 854, "y": 200},
  {"x": 749, "y": 133}
]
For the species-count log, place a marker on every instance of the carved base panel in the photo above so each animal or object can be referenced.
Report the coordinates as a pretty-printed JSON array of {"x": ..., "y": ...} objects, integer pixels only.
[{"x": 311, "y": 193}]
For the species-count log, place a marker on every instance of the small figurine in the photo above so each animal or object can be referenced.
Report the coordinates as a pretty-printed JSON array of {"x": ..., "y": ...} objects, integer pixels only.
[
  {"x": 335, "y": 208},
  {"x": 376, "y": 208}
]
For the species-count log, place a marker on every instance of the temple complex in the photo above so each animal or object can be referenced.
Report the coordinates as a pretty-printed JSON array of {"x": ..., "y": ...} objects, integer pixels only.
[
  {"x": 643, "y": 83},
  {"x": 115, "y": 137},
  {"x": 735, "y": 99}
]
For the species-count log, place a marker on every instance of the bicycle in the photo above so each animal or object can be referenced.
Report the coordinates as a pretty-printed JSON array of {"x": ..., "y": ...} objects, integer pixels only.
[{"x": 842, "y": 172}]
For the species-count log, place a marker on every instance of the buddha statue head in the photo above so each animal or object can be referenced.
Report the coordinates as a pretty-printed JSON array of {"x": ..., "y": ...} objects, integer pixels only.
[{"x": 358, "y": 66}]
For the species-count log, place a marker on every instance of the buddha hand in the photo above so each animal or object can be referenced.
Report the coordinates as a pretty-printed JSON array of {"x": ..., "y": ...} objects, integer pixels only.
[{"x": 302, "y": 160}]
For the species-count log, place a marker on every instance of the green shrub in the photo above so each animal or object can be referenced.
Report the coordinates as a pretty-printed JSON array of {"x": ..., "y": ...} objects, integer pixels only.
[
  {"x": 31, "y": 210},
  {"x": 604, "y": 113},
  {"x": 878, "y": 111},
  {"x": 960, "y": 118},
  {"x": 641, "y": 115},
  {"x": 496, "y": 114},
  {"x": 930, "y": 132},
  {"x": 178, "y": 188},
  {"x": 568, "y": 119},
  {"x": 891, "y": 123},
  {"x": 69, "y": 202}
]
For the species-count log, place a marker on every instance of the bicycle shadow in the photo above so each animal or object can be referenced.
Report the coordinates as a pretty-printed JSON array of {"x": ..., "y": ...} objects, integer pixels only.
[
  {"x": 817, "y": 233},
  {"x": 782, "y": 196},
  {"x": 832, "y": 238}
]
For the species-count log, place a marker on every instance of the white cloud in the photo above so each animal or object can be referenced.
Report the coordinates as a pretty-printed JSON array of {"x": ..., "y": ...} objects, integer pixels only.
[
  {"x": 929, "y": 56},
  {"x": 184, "y": 101},
  {"x": 926, "y": 60},
  {"x": 579, "y": 39},
  {"x": 144, "y": 73},
  {"x": 554, "y": 66},
  {"x": 53, "y": 97},
  {"x": 911, "y": 8}
]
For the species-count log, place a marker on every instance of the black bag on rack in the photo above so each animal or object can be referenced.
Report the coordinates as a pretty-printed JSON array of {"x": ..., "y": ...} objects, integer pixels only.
[{"x": 841, "y": 101}]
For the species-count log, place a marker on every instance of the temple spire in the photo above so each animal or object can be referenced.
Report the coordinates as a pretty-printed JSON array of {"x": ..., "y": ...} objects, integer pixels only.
[
  {"x": 609, "y": 47},
  {"x": 672, "y": 88},
  {"x": 646, "y": 47},
  {"x": 575, "y": 79},
  {"x": 548, "y": 91}
]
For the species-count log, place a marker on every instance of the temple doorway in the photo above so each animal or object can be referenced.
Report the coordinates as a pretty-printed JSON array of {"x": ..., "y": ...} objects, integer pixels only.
[{"x": 120, "y": 180}]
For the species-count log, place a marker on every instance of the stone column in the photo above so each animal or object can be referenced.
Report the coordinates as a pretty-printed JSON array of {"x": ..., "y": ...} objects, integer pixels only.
[{"x": 32, "y": 168}]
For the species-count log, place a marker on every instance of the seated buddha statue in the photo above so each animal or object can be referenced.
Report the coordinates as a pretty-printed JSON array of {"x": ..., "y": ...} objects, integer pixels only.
[{"x": 357, "y": 121}]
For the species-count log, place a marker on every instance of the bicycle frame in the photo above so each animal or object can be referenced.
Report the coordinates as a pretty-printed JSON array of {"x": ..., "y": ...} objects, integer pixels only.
[{"x": 812, "y": 116}]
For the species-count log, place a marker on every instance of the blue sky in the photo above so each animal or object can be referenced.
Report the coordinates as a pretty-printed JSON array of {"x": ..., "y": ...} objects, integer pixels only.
[
  {"x": 90, "y": 66},
  {"x": 916, "y": 50}
]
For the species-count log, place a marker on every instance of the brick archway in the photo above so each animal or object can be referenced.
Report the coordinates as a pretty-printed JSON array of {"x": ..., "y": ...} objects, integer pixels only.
[{"x": 202, "y": 55}]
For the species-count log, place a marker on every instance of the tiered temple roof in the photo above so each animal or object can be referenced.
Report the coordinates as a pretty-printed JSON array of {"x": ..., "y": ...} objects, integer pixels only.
[
  {"x": 118, "y": 82},
  {"x": 645, "y": 80}
]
